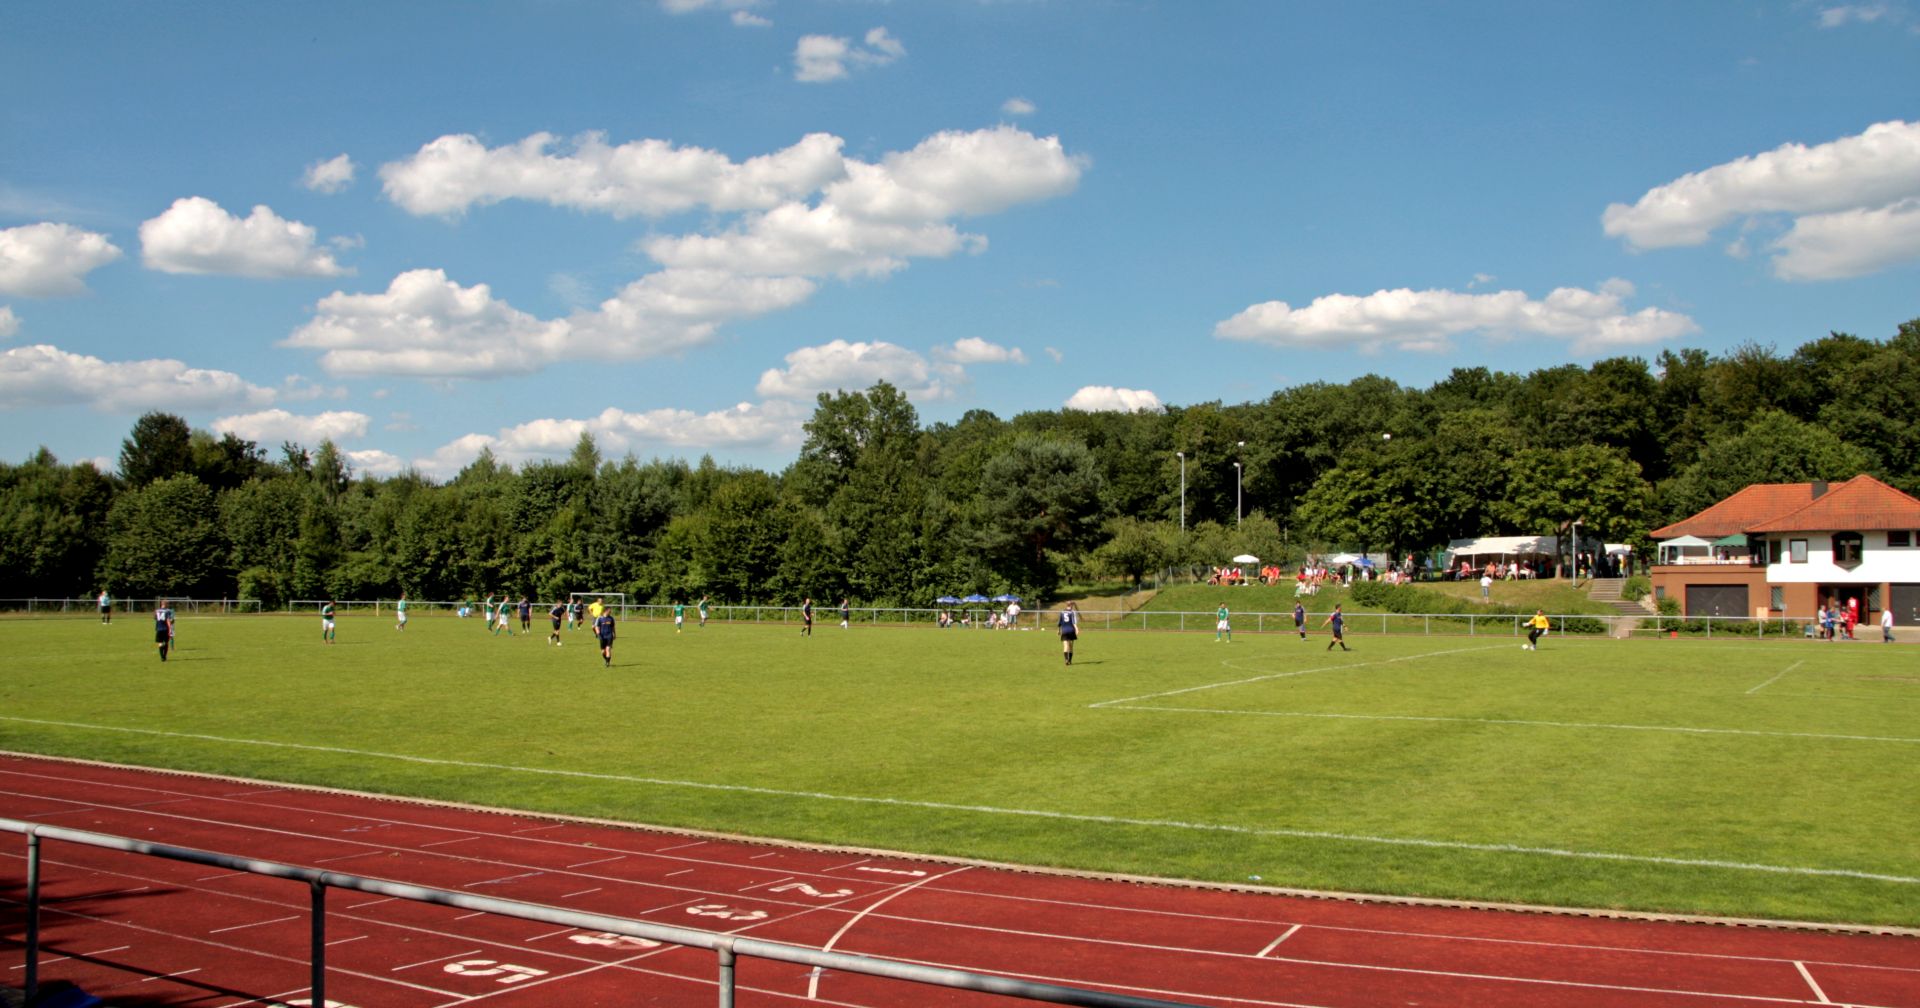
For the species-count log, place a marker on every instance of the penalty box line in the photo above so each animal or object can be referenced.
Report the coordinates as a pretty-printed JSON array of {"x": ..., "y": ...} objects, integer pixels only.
[
  {"x": 1076, "y": 817},
  {"x": 1343, "y": 667}
]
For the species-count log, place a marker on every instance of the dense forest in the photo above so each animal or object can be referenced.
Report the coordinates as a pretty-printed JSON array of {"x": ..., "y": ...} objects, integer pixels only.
[{"x": 890, "y": 511}]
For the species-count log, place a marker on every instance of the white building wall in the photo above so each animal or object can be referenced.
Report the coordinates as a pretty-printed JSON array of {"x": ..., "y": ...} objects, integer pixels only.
[{"x": 1879, "y": 563}]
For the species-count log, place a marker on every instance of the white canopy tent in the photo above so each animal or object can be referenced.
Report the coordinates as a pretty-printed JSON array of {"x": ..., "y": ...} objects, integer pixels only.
[
  {"x": 1506, "y": 547},
  {"x": 1676, "y": 551}
]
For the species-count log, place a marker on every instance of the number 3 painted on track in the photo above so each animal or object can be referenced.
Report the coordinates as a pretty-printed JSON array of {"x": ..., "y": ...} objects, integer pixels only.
[
  {"x": 507, "y": 972},
  {"x": 725, "y": 912}
]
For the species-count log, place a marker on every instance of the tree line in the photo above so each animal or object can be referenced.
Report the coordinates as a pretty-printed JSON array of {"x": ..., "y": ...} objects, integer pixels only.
[{"x": 890, "y": 511}]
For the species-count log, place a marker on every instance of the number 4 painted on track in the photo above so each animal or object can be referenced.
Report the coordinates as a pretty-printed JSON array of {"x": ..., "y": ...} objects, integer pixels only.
[
  {"x": 507, "y": 972},
  {"x": 725, "y": 912},
  {"x": 611, "y": 940},
  {"x": 807, "y": 890}
]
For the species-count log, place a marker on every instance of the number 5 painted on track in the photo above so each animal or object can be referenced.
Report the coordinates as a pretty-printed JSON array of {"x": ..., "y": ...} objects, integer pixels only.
[{"x": 507, "y": 972}]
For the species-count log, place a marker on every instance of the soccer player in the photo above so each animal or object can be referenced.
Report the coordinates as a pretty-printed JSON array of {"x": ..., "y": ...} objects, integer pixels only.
[
  {"x": 555, "y": 615},
  {"x": 1338, "y": 621},
  {"x": 502, "y": 615},
  {"x": 703, "y": 610},
  {"x": 1300, "y": 619},
  {"x": 526, "y": 615},
  {"x": 679, "y": 616},
  {"x": 163, "y": 627},
  {"x": 576, "y": 615},
  {"x": 1221, "y": 624},
  {"x": 1069, "y": 630},
  {"x": 846, "y": 612},
  {"x": 603, "y": 629},
  {"x": 486, "y": 614},
  {"x": 400, "y": 612},
  {"x": 806, "y": 617},
  {"x": 1535, "y": 627},
  {"x": 326, "y": 622},
  {"x": 106, "y": 606}
]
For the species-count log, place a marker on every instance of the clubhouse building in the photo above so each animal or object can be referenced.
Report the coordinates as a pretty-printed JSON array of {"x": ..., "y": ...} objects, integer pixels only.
[{"x": 1780, "y": 550}]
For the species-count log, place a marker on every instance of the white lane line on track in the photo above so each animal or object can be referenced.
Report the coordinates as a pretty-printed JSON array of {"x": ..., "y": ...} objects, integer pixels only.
[
  {"x": 1776, "y": 677},
  {"x": 1284, "y": 935},
  {"x": 435, "y": 959},
  {"x": 1519, "y": 722},
  {"x": 264, "y": 923},
  {"x": 582, "y": 892},
  {"x": 813, "y": 979},
  {"x": 1808, "y": 977},
  {"x": 1173, "y": 824},
  {"x": 603, "y": 860}
]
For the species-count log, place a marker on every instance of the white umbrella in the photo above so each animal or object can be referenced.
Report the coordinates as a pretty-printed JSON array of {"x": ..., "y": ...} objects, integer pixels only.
[{"x": 1246, "y": 558}]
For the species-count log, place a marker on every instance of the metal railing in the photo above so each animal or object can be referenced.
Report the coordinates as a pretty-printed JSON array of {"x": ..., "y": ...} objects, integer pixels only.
[
  {"x": 124, "y": 607},
  {"x": 727, "y": 948}
]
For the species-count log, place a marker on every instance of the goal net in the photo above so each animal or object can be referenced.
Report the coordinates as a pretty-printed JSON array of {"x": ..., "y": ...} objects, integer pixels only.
[{"x": 617, "y": 601}]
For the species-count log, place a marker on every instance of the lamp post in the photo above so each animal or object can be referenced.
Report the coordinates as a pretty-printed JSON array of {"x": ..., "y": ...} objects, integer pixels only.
[
  {"x": 1237, "y": 469},
  {"x": 1576, "y": 551},
  {"x": 1182, "y": 456}
]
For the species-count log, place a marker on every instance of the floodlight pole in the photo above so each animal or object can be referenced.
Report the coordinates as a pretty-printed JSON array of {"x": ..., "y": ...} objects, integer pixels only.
[
  {"x": 1182, "y": 456},
  {"x": 1237, "y": 469}
]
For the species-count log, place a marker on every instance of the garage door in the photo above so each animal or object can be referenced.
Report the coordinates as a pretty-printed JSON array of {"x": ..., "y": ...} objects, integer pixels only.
[
  {"x": 1717, "y": 600},
  {"x": 1905, "y": 601}
]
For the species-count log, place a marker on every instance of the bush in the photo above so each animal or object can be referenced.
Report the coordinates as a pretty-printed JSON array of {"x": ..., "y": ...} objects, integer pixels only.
[{"x": 1636, "y": 588}]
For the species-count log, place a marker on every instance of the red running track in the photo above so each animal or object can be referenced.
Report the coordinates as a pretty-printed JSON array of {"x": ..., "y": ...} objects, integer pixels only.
[{"x": 146, "y": 931}]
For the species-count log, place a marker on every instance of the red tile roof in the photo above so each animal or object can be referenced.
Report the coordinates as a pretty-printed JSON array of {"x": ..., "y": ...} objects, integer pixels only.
[
  {"x": 1859, "y": 504},
  {"x": 1752, "y": 505}
]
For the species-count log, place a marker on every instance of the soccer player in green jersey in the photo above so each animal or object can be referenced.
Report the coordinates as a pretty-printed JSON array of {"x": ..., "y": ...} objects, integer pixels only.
[{"x": 1221, "y": 624}]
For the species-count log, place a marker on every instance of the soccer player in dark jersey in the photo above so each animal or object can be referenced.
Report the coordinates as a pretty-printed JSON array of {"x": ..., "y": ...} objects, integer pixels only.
[
  {"x": 556, "y": 614},
  {"x": 163, "y": 627},
  {"x": 603, "y": 629},
  {"x": 1337, "y": 620}
]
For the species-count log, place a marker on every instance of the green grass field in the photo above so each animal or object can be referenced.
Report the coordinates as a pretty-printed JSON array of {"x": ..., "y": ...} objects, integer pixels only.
[{"x": 1749, "y": 778}]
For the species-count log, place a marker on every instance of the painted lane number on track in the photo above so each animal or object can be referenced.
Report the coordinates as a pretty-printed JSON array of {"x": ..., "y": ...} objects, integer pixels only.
[
  {"x": 610, "y": 940},
  {"x": 507, "y": 972},
  {"x": 725, "y": 912},
  {"x": 806, "y": 890}
]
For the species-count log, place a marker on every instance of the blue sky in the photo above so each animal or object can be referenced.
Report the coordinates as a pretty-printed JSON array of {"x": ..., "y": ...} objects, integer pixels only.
[{"x": 425, "y": 228}]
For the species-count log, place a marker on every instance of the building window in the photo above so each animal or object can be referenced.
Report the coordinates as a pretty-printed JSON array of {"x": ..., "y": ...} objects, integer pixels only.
[
  {"x": 1778, "y": 600},
  {"x": 1846, "y": 549},
  {"x": 1796, "y": 551},
  {"x": 1900, "y": 537}
]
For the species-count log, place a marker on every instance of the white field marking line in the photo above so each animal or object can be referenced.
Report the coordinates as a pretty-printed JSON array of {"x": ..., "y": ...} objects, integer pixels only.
[
  {"x": 169, "y": 976},
  {"x": 813, "y": 979},
  {"x": 1343, "y": 667},
  {"x": 505, "y": 878},
  {"x": 1517, "y": 722},
  {"x": 1817, "y": 992},
  {"x": 582, "y": 892},
  {"x": 264, "y": 923},
  {"x": 549, "y": 934},
  {"x": 1288, "y": 933},
  {"x": 683, "y": 871},
  {"x": 537, "y": 829},
  {"x": 1776, "y": 677},
  {"x": 347, "y": 857},
  {"x": 44, "y": 960},
  {"x": 1396, "y": 932},
  {"x": 534, "y": 870},
  {"x": 1419, "y": 842},
  {"x": 243, "y": 951},
  {"x": 603, "y": 860},
  {"x": 343, "y": 941},
  {"x": 455, "y": 840}
]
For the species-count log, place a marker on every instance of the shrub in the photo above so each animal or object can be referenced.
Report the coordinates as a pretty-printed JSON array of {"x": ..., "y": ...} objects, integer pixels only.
[{"x": 1636, "y": 588}]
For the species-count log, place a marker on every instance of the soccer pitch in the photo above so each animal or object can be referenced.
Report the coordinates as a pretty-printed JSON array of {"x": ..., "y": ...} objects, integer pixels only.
[{"x": 1762, "y": 779}]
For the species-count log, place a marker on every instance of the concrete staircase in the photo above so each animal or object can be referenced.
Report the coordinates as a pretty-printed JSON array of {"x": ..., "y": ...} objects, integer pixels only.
[{"x": 1607, "y": 590}]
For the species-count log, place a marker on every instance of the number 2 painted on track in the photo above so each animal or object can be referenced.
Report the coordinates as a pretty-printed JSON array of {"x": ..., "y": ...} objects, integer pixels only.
[
  {"x": 725, "y": 912},
  {"x": 507, "y": 972}
]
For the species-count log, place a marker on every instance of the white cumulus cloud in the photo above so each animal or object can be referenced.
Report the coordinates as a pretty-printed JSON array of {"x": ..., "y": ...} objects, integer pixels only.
[
  {"x": 1849, "y": 243},
  {"x": 748, "y": 19},
  {"x": 1107, "y": 399},
  {"x": 776, "y": 425},
  {"x": 1848, "y": 179},
  {"x": 329, "y": 176},
  {"x": 1018, "y": 107},
  {"x": 9, "y": 322},
  {"x": 50, "y": 260},
  {"x": 974, "y": 350},
  {"x": 42, "y": 375},
  {"x": 818, "y": 59},
  {"x": 1424, "y": 321},
  {"x": 641, "y": 177},
  {"x": 195, "y": 235},
  {"x": 270, "y": 427},
  {"x": 843, "y": 365},
  {"x": 427, "y": 325}
]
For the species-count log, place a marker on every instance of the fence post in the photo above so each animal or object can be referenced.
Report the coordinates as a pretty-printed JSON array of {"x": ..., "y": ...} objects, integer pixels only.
[
  {"x": 725, "y": 952},
  {"x": 33, "y": 915},
  {"x": 318, "y": 957}
]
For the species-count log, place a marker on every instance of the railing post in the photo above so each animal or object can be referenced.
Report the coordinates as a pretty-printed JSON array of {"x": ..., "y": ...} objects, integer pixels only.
[
  {"x": 318, "y": 955},
  {"x": 33, "y": 916},
  {"x": 725, "y": 953}
]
